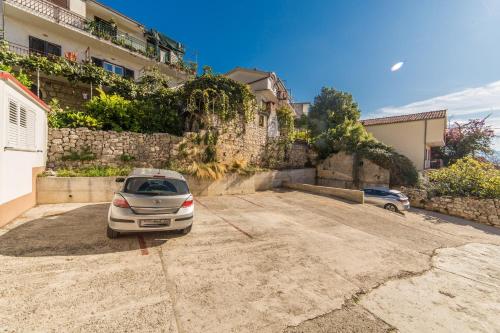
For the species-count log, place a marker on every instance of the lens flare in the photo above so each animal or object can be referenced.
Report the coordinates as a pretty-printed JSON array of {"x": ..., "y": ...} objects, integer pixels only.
[{"x": 397, "y": 66}]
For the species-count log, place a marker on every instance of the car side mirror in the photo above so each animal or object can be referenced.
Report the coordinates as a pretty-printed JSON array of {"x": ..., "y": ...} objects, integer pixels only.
[{"x": 120, "y": 180}]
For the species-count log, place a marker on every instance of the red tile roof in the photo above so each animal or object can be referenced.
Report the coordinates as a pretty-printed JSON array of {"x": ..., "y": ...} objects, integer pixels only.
[
  {"x": 9, "y": 77},
  {"x": 405, "y": 118}
]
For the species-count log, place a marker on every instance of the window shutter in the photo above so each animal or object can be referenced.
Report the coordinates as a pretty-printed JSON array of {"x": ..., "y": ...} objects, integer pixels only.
[
  {"x": 37, "y": 45},
  {"x": 31, "y": 130},
  {"x": 54, "y": 49},
  {"x": 129, "y": 74},
  {"x": 97, "y": 62},
  {"x": 22, "y": 128},
  {"x": 12, "y": 132}
]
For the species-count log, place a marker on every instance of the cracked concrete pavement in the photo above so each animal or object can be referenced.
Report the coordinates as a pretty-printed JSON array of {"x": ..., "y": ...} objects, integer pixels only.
[{"x": 268, "y": 262}]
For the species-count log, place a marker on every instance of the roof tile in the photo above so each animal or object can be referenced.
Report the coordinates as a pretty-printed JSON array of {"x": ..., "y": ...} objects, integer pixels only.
[{"x": 405, "y": 118}]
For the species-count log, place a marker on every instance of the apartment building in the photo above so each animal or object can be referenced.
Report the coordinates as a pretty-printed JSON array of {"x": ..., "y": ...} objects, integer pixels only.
[
  {"x": 270, "y": 92},
  {"x": 87, "y": 30}
]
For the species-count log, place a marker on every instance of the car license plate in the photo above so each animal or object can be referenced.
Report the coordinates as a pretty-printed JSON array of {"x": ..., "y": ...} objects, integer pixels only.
[{"x": 154, "y": 223}]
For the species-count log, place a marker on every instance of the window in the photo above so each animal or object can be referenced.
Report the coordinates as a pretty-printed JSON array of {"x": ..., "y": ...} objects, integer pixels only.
[
  {"x": 110, "y": 67},
  {"x": 113, "y": 68},
  {"x": 156, "y": 186},
  {"x": 43, "y": 47},
  {"x": 262, "y": 120},
  {"x": 21, "y": 129}
]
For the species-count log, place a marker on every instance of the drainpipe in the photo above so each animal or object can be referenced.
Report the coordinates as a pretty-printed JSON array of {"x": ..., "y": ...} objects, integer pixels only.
[
  {"x": 425, "y": 143},
  {"x": 2, "y": 24}
]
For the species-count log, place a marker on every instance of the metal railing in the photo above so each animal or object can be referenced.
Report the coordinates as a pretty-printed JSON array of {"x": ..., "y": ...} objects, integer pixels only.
[
  {"x": 51, "y": 11},
  {"x": 67, "y": 17}
]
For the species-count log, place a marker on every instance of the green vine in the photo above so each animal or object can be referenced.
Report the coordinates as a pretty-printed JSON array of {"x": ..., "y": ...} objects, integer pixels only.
[{"x": 286, "y": 122}]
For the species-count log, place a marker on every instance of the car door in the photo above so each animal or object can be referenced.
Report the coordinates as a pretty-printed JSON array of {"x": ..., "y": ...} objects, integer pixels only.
[{"x": 370, "y": 197}]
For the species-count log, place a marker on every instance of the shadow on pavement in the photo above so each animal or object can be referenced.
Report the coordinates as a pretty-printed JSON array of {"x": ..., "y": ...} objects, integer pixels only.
[
  {"x": 438, "y": 218},
  {"x": 79, "y": 232}
]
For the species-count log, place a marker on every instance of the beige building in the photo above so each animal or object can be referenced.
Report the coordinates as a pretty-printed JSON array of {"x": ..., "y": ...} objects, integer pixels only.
[
  {"x": 270, "y": 92},
  {"x": 417, "y": 136},
  {"x": 88, "y": 31}
]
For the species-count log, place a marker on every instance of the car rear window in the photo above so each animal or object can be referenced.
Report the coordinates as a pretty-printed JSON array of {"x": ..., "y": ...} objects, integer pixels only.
[{"x": 156, "y": 186}]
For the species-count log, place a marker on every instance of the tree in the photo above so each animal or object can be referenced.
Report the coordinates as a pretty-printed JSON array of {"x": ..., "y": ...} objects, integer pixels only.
[
  {"x": 332, "y": 108},
  {"x": 335, "y": 126},
  {"x": 472, "y": 138}
]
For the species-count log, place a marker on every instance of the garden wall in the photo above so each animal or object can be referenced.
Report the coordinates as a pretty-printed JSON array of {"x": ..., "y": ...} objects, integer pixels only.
[
  {"x": 486, "y": 211},
  {"x": 82, "y": 147},
  {"x": 108, "y": 148}
]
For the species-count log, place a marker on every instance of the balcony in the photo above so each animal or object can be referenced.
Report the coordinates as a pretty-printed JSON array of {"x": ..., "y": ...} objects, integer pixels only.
[{"x": 67, "y": 18}]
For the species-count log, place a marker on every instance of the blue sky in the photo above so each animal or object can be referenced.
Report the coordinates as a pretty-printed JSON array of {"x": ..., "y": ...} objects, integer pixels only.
[{"x": 451, "y": 48}]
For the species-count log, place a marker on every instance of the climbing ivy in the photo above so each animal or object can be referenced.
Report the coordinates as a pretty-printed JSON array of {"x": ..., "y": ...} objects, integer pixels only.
[{"x": 286, "y": 121}]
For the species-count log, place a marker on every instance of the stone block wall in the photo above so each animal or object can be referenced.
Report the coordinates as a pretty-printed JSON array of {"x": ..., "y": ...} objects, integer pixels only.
[
  {"x": 161, "y": 150},
  {"x": 146, "y": 150},
  {"x": 69, "y": 94},
  {"x": 338, "y": 171},
  {"x": 486, "y": 211},
  {"x": 238, "y": 140}
]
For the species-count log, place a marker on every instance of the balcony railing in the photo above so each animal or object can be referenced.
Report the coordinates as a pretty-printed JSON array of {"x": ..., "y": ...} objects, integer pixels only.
[
  {"x": 51, "y": 11},
  {"x": 99, "y": 29}
]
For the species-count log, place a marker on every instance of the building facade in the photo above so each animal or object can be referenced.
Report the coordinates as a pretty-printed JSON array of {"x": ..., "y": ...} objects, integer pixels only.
[
  {"x": 301, "y": 109},
  {"x": 23, "y": 146},
  {"x": 417, "y": 136},
  {"x": 88, "y": 31},
  {"x": 270, "y": 92}
]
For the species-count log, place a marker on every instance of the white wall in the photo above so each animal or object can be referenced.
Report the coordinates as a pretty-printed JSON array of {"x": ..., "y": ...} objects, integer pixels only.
[{"x": 16, "y": 167}]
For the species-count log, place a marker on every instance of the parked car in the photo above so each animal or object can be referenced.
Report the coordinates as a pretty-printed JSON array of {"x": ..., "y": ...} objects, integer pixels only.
[
  {"x": 151, "y": 200},
  {"x": 392, "y": 200}
]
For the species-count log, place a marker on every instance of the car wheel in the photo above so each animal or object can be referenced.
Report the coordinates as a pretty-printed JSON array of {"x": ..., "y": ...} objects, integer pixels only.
[
  {"x": 186, "y": 230},
  {"x": 112, "y": 234},
  {"x": 391, "y": 208}
]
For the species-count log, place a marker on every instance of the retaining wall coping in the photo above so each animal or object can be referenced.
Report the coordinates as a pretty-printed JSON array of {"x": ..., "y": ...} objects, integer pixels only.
[{"x": 351, "y": 195}]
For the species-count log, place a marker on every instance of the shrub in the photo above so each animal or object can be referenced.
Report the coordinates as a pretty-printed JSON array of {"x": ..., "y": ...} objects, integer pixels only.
[
  {"x": 60, "y": 118},
  {"x": 19, "y": 75},
  {"x": 286, "y": 120},
  {"x": 467, "y": 177},
  {"x": 127, "y": 158},
  {"x": 85, "y": 155},
  {"x": 113, "y": 112},
  {"x": 94, "y": 171}
]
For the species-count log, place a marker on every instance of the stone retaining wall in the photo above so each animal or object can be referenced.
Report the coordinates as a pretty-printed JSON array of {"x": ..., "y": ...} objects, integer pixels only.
[
  {"x": 108, "y": 148},
  {"x": 338, "y": 171},
  {"x": 486, "y": 211}
]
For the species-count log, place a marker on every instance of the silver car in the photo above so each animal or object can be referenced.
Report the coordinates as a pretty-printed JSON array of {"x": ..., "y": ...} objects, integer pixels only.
[
  {"x": 151, "y": 200},
  {"x": 392, "y": 200}
]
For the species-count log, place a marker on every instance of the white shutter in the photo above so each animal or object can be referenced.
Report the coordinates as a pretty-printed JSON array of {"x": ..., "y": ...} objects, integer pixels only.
[
  {"x": 31, "y": 130},
  {"x": 12, "y": 130},
  {"x": 23, "y": 127}
]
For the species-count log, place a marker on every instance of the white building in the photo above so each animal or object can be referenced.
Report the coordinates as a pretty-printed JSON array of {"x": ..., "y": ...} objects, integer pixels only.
[
  {"x": 86, "y": 30},
  {"x": 23, "y": 146},
  {"x": 301, "y": 109},
  {"x": 269, "y": 91}
]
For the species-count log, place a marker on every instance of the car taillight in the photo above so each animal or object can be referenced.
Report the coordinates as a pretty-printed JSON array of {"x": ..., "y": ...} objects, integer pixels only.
[
  {"x": 120, "y": 202},
  {"x": 188, "y": 203}
]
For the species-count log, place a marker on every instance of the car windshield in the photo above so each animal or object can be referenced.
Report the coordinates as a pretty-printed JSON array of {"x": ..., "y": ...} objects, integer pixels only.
[{"x": 156, "y": 186}]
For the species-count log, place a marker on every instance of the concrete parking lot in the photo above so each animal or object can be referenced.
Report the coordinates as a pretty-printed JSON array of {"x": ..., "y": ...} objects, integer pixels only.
[{"x": 279, "y": 261}]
